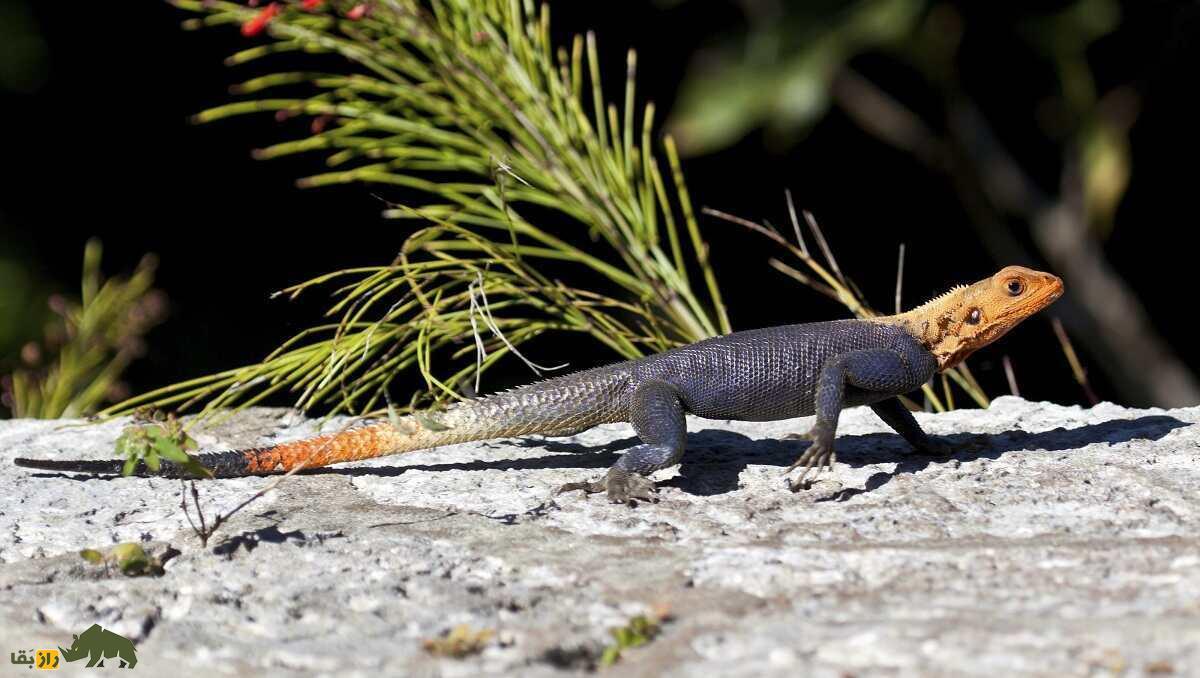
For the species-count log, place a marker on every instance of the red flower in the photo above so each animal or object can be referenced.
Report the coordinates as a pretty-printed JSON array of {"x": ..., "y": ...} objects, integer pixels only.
[
  {"x": 311, "y": 5},
  {"x": 357, "y": 12},
  {"x": 259, "y": 22},
  {"x": 319, "y": 123}
]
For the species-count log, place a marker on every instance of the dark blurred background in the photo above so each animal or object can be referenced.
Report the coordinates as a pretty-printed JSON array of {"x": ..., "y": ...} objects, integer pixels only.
[{"x": 1059, "y": 135}]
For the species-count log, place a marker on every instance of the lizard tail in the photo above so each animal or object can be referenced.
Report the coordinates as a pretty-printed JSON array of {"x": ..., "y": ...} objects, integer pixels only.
[
  {"x": 220, "y": 464},
  {"x": 557, "y": 406},
  {"x": 377, "y": 440}
]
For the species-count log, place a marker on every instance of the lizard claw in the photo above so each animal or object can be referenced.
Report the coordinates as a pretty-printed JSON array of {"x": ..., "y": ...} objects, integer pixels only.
[
  {"x": 819, "y": 454},
  {"x": 622, "y": 487},
  {"x": 588, "y": 488}
]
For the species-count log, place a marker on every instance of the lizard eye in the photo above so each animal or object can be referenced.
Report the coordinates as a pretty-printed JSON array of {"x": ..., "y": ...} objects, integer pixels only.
[
  {"x": 1015, "y": 287},
  {"x": 974, "y": 316}
]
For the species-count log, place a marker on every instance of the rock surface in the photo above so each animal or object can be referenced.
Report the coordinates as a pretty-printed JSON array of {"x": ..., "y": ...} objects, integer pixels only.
[{"x": 1056, "y": 541}]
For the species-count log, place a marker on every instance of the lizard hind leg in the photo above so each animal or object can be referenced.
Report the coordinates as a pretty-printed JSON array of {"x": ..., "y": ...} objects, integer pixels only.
[
  {"x": 657, "y": 415},
  {"x": 895, "y": 414}
]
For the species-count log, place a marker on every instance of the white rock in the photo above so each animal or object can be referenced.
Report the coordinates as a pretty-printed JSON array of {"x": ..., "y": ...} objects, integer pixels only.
[{"x": 1057, "y": 541}]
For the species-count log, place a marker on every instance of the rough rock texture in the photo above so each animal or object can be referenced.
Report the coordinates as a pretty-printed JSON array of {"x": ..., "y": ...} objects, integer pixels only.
[{"x": 1057, "y": 541}]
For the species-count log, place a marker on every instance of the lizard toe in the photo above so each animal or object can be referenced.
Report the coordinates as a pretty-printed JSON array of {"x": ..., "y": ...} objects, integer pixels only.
[
  {"x": 623, "y": 487},
  {"x": 819, "y": 455},
  {"x": 588, "y": 488},
  {"x": 620, "y": 486}
]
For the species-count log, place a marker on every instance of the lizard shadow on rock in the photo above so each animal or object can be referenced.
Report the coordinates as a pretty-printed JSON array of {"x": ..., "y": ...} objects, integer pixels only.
[
  {"x": 715, "y": 458},
  {"x": 718, "y": 466},
  {"x": 968, "y": 447},
  {"x": 251, "y": 539}
]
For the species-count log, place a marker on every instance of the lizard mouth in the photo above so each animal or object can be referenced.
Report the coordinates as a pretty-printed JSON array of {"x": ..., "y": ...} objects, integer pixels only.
[{"x": 1052, "y": 290}]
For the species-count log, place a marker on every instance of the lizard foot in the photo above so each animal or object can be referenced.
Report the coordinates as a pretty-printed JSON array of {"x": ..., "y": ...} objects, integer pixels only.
[
  {"x": 622, "y": 487},
  {"x": 819, "y": 454}
]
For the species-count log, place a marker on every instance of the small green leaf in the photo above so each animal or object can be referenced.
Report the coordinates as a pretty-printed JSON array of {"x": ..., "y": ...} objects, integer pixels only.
[
  {"x": 153, "y": 442},
  {"x": 126, "y": 550},
  {"x": 611, "y": 654},
  {"x": 131, "y": 558},
  {"x": 92, "y": 556},
  {"x": 135, "y": 565},
  {"x": 639, "y": 631},
  {"x": 170, "y": 449}
]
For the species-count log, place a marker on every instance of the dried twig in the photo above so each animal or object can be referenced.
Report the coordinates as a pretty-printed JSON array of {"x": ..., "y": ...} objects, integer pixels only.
[
  {"x": 1010, "y": 376},
  {"x": 1077, "y": 368}
]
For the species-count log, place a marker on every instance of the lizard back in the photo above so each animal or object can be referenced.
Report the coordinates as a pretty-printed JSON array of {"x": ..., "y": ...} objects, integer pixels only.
[{"x": 770, "y": 373}]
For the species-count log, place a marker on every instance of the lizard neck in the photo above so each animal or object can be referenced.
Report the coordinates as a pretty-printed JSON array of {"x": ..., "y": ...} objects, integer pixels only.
[
  {"x": 933, "y": 332},
  {"x": 933, "y": 324}
]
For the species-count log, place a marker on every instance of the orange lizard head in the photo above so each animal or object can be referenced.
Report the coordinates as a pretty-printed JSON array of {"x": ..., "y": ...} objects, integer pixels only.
[{"x": 969, "y": 317}]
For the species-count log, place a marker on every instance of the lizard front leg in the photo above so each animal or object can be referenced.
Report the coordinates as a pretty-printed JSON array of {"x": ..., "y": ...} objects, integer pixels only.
[
  {"x": 884, "y": 371},
  {"x": 656, "y": 412}
]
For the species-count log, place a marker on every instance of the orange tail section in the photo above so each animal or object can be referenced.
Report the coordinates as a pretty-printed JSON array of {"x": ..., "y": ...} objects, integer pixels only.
[{"x": 364, "y": 443}]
